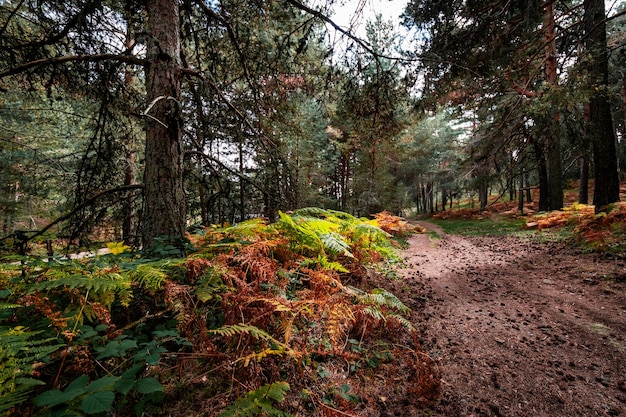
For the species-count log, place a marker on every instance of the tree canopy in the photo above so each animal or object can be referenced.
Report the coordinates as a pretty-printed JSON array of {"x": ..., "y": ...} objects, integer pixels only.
[{"x": 155, "y": 117}]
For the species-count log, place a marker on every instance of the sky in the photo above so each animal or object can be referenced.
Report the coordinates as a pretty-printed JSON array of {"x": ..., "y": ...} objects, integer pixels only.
[{"x": 360, "y": 11}]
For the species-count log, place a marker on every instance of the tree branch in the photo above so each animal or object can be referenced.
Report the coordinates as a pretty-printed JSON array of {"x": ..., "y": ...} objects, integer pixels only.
[
  {"x": 129, "y": 59},
  {"x": 362, "y": 43},
  {"x": 86, "y": 203}
]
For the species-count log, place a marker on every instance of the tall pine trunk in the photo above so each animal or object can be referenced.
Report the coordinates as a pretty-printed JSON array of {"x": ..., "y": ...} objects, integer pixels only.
[
  {"x": 164, "y": 198},
  {"x": 129, "y": 222},
  {"x": 553, "y": 138},
  {"x": 600, "y": 126}
]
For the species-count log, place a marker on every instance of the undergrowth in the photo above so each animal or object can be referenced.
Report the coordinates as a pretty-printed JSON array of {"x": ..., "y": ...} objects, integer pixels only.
[
  {"x": 576, "y": 224},
  {"x": 257, "y": 319}
]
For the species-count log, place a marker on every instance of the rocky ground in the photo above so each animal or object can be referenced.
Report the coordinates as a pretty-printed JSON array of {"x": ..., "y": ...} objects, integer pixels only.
[{"x": 518, "y": 327}]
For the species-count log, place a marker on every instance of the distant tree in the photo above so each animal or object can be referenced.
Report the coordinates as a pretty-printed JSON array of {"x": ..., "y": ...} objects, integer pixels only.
[
  {"x": 600, "y": 127},
  {"x": 372, "y": 113}
]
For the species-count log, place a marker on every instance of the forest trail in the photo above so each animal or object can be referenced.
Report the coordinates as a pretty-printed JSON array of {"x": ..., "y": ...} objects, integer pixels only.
[{"x": 518, "y": 327}]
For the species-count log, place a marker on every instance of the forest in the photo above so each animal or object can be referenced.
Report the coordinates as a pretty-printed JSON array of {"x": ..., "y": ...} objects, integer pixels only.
[{"x": 202, "y": 202}]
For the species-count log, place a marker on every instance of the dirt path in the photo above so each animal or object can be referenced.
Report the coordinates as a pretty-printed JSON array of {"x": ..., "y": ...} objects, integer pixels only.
[{"x": 519, "y": 328}]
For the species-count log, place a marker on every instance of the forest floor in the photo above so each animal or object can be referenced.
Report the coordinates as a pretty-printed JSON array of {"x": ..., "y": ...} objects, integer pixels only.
[{"x": 518, "y": 327}]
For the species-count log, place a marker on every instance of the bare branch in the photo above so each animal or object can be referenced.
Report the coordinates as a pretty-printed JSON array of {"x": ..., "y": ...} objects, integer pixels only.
[
  {"x": 86, "y": 203},
  {"x": 129, "y": 59}
]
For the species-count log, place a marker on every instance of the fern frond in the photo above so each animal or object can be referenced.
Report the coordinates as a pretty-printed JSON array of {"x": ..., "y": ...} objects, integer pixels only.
[
  {"x": 102, "y": 284},
  {"x": 335, "y": 244},
  {"x": 150, "y": 277},
  {"x": 311, "y": 212},
  {"x": 259, "y": 402},
  {"x": 382, "y": 298},
  {"x": 323, "y": 263},
  {"x": 234, "y": 329},
  {"x": 258, "y": 356},
  {"x": 402, "y": 320},
  {"x": 302, "y": 235},
  {"x": 210, "y": 285},
  {"x": 249, "y": 228},
  {"x": 276, "y": 346},
  {"x": 370, "y": 232},
  {"x": 19, "y": 351},
  {"x": 374, "y": 312},
  {"x": 339, "y": 318}
]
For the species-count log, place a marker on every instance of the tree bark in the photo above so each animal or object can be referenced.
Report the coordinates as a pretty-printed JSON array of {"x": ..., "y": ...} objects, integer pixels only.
[
  {"x": 583, "y": 187},
  {"x": 164, "y": 198},
  {"x": 542, "y": 173},
  {"x": 129, "y": 222},
  {"x": 553, "y": 137},
  {"x": 600, "y": 126}
]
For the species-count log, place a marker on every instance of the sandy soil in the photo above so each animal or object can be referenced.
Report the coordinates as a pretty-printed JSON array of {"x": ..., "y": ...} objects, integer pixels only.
[{"x": 518, "y": 328}]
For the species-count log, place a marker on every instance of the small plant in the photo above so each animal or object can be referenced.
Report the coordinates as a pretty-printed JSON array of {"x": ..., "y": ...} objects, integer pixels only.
[{"x": 260, "y": 401}]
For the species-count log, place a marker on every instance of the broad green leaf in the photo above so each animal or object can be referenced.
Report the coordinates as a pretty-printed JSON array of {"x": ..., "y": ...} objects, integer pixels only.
[
  {"x": 148, "y": 386},
  {"x": 98, "y": 402}
]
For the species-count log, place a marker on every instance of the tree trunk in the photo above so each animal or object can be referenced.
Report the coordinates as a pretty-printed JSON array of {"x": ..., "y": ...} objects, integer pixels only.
[
  {"x": 164, "y": 198},
  {"x": 542, "y": 173},
  {"x": 600, "y": 126},
  {"x": 129, "y": 222},
  {"x": 583, "y": 187},
  {"x": 483, "y": 191},
  {"x": 553, "y": 137},
  {"x": 621, "y": 144},
  {"x": 520, "y": 196}
]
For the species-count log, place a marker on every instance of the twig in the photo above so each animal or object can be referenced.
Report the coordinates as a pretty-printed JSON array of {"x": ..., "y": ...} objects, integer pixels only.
[
  {"x": 138, "y": 322},
  {"x": 335, "y": 410}
]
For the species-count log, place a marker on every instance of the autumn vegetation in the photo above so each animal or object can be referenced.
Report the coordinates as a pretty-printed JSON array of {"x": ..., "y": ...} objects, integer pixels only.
[{"x": 256, "y": 318}]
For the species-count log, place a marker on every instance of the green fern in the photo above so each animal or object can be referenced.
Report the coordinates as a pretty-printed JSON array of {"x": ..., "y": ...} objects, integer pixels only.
[
  {"x": 276, "y": 346},
  {"x": 234, "y": 329},
  {"x": 210, "y": 285},
  {"x": 92, "y": 282},
  {"x": 150, "y": 276},
  {"x": 383, "y": 298},
  {"x": 248, "y": 228},
  {"x": 20, "y": 351},
  {"x": 311, "y": 212},
  {"x": 259, "y": 401},
  {"x": 318, "y": 236},
  {"x": 402, "y": 320},
  {"x": 301, "y": 237},
  {"x": 383, "y": 305},
  {"x": 324, "y": 263},
  {"x": 335, "y": 244}
]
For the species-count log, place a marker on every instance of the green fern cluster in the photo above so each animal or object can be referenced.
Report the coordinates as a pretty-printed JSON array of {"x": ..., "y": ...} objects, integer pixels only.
[
  {"x": 329, "y": 233},
  {"x": 20, "y": 352}
]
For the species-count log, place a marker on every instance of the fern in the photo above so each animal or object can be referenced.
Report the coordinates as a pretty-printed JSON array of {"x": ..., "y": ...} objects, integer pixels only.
[
  {"x": 403, "y": 321},
  {"x": 234, "y": 329},
  {"x": 276, "y": 347},
  {"x": 210, "y": 285},
  {"x": 248, "y": 228},
  {"x": 335, "y": 244},
  {"x": 384, "y": 298},
  {"x": 311, "y": 212},
  {"x": 20, "y": 351},
  {"x": 151, "y": 277},
  {"x": 103, "y": 284},
  {"x": 383, "y": 305},
  {"x": 324, "y": 263},
  {"x": 259, "y": 402}
]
